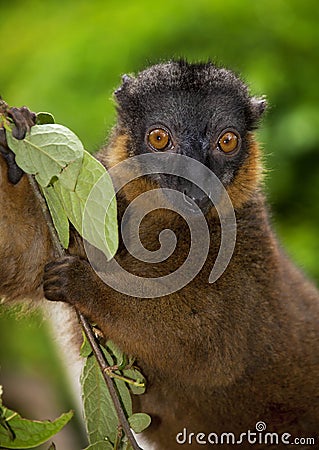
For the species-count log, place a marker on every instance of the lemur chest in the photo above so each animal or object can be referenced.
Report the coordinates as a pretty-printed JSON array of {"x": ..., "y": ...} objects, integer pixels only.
[{"x": 162, "y": 243}]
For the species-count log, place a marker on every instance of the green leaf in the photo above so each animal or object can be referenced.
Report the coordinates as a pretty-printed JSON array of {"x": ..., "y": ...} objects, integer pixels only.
[
  {"x": 108, "y": 356},
  {"x": 44, "y": 118},
  {"x": 91, "y": 207},
  {"x": 86, "y": 349},
  {"x": 139, "y": 422},
  {"x": 29, "y": 433},
  {"x": 125, "y": 396},
  {"x": 46, "y": 151},
  {"x": 52, "y": 446},
  {"x": 5, "y": 425},
  {"x": 100, "y": 415},
  {"x": 59, "y": 217},
  {"x": 101, "y": 445},
  {"x": 120, "y": 358},
  {"x": 3, "y": 422},
  {"x": 136, "y": 375},
  {"x": 55, "y": 155},
  {"x": 69, "y": 175}
]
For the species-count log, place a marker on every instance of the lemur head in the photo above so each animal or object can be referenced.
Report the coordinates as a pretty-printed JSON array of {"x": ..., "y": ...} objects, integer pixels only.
[{"x": 197, "y": 110}]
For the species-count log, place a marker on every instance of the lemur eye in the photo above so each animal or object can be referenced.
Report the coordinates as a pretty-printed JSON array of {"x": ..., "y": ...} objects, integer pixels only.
[
  {"x": 159, "y": 139},
  {"x": 228, "y": 142}
]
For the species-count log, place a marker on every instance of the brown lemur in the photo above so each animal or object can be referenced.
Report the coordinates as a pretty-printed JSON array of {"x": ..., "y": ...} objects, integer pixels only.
[{"x": 217, "y": 357}]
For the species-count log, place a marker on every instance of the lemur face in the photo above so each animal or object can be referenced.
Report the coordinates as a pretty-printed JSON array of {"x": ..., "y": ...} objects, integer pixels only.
[{"x": 196, "y": 110}]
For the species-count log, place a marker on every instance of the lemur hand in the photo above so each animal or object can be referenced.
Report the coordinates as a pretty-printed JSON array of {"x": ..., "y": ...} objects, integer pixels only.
[{"x": 23, "y": 120}]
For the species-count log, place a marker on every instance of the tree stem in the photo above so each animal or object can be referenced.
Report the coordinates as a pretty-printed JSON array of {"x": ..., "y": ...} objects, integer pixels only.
[{"x": 59, "y": 251}]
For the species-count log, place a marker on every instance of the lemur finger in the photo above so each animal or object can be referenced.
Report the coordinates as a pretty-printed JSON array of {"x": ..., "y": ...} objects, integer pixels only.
[
  {"x": 59, "y": 264},
  {"x": 23, "y": 120},
  {"x": 62, "y": 278},
  {"x": 14, "y": 172},
  {"x": 54, "y": 292},
  {"x": 3, "y": 140}
]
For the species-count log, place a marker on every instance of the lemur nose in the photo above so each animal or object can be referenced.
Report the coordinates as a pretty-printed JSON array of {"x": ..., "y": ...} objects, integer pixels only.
[{"x": 195, "y": 195}]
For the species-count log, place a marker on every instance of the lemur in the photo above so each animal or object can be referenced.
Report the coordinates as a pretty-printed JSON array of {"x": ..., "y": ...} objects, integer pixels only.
[{"x": 217, "y": 357}]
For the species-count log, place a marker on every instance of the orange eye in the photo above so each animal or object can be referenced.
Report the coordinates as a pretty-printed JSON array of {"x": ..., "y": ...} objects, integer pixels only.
[
  {"x": 228, "y": 142},
  {"x": 159, "y": 139}
]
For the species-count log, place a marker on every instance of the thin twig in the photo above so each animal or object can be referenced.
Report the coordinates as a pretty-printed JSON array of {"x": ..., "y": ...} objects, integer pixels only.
[
  {"x": 109, "y": 381},
  {"x": 110, "y": 373},
  {"x": 59, "y": 250}
]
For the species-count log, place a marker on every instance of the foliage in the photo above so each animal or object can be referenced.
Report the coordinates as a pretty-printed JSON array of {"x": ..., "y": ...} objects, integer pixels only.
[
  {"x": 67, "y": 174},
  {"x": 19, "y": 433},
  {"x": 101, "y": 418}
]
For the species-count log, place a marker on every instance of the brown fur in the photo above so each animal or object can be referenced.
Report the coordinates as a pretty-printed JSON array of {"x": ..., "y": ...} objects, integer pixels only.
[
  {"x": 248, "y": 177},
  {"x": 218, "y": 357},
  {"x": 25, "y": 247},
  {"x": 117, "y": 150}
]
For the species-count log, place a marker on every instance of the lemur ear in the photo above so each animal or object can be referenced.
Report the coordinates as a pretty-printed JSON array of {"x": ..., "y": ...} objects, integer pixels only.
[
  {"x": 126, "y": 80},
  {"x": 258, "y": 106}
]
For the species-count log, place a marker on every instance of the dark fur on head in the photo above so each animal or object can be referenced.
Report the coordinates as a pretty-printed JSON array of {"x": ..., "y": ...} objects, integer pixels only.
[
  {"x": 205, "y": 80},
  {"x": 196, "y": 103}
]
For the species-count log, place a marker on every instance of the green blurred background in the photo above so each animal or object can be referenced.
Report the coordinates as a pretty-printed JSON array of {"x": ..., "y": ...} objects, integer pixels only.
[{"x": 67, "y": 58}]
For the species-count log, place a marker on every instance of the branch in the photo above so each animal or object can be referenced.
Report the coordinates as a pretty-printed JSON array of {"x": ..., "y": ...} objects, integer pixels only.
[{"x": 104, "y": 366}]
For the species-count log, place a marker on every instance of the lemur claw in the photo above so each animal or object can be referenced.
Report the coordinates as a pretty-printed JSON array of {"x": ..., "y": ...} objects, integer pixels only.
[{"x": 23, "y": 120}]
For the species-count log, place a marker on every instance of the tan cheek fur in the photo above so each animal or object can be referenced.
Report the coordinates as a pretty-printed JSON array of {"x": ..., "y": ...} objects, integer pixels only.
[
  {"x": 248, "y": 178},
  {"x": 117, "y": 152}
]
